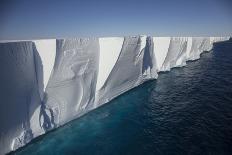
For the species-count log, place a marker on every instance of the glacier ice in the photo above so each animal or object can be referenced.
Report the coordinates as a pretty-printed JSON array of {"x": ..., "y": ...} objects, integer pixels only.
[
  {"x": 47, "y": 83},
  {"x": 47, "y": 51},
  {"x": 71, "y": 88},
  {"x": 130, "y": 68},
  {"x": 110, "y": 49},
  {"x": 161, "y": 45},
  {"x": 176, "y": 54},
  {"x": 20, "y": 96}
]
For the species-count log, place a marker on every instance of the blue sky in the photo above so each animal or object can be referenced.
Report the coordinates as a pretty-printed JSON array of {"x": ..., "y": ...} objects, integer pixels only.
[{"x": 29, "y": 19}]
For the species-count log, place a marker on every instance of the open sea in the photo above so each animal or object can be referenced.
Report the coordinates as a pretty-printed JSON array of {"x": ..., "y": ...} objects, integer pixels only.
[{"x": 185, "y": 111}]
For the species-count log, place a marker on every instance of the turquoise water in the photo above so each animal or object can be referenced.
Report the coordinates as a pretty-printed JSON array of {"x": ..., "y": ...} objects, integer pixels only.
[{"x": 185, "y": 111}]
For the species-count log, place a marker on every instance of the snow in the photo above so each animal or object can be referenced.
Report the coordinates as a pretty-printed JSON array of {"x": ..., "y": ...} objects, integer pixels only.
[{"x": 47, "y": 83}]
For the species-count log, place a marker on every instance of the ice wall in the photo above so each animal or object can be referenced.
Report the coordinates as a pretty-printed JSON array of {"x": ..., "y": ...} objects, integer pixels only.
[
  {"x": 47, "y": 52},
  {"x": 110, "y": 49},
  {"x": 176, "y": 55},
  {"x": 19, "y": 94},
  {"x": 71, "y": 88},
  {"x": 134, "y": 65},
  {"x": 47, "y": 83},
  {"x": 161, "y": 45}
]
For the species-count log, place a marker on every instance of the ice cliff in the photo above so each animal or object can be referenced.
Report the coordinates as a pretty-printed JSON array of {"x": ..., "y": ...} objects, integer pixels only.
[{"x": 47, "y": 83}]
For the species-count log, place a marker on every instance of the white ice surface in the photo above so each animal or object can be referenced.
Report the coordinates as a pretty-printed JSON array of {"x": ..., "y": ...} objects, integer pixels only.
[
  {"x": 143, "y": 42},
  {"x": 110, "y": 49},
  {"x": 47, "y": 52},
  {"x": 71, "y": 87},
  {"x": 20, "y": 98},
  {"x": 134, "y": 65},
  {"x": 189, "y": 46},
  {"x": 176, "y": 53},
  {"x": 182, "y": 57},
  {"x": 161, "y": 46}
]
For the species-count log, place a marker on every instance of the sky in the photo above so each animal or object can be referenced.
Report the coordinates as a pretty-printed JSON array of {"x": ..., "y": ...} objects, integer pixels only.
[{"x": 30, "y": 19}]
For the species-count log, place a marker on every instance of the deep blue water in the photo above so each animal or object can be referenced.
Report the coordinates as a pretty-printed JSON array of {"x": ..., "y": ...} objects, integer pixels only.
[{"x": 185, "y": 111}]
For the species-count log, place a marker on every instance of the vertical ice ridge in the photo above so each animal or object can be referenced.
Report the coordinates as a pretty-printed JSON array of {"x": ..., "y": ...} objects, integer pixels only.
[
  {"x": 199, "y": 45},
  {"x": 109, "y": 52},
  {"x": 71, "y": 88},
  {"x": 176, "y": 49},
  {"x": 46, "y": 50},
  {"x": 188, "y": 48},
  {"x": 20, "y": 95},
  {"x": 161, "y": 46},
  {"x": 130, "y": 67},
  {"x": 149, "y": 69}
]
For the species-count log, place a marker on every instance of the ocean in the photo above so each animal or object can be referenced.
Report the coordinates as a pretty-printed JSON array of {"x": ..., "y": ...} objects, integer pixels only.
[{"x": 185, "y": 111}]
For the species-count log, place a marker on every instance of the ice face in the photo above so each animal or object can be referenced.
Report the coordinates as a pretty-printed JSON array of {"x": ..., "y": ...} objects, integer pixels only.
[
  {"x": 218, "y": 39},
  {"x": 71, "y": 88},
  {"x": 161, "y": 46},
  {"x": 110, "y": 49},
  {"x": 176, "y": 55},
  {"x": 47, "y": 51},
  {"x": 47, "y": 83},
  {"x": 149, "y": 69},
  {"x": 19, "y": 93},
  {"x": 189, "y": 46},
  {"x": 199, "y": 45},
  {"x": 130, "y": 68}
]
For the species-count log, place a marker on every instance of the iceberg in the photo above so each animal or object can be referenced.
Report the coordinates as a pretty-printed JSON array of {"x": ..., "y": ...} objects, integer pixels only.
[{"x": 47, "y": 83}]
